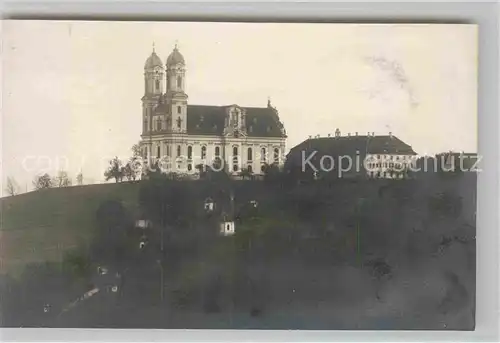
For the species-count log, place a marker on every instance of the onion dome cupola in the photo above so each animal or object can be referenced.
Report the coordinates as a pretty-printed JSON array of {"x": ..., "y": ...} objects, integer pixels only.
[
  {"x": 153, "y": 61},
  {"x": 153, "y": 75},
  {"x": 175, "y": 57}
]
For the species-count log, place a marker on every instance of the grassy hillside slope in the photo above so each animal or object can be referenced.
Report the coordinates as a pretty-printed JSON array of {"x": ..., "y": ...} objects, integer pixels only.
[
  {"x": 39, "y": 226},
  {"x": 304, "y": 261}
]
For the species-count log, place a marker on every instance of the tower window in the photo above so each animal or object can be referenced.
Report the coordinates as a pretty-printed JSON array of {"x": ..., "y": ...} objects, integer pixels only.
[
  {"x": 145, "y": 125},
  {"x": 179, "y": 122},
  {"x": 263, "y": 154},
  {"x": 179, "y": 82},
  {"x": 235, "y": 151},
  {"x": 158, "y": 125},
  {"x": 203, "y": 152},
  {"x": 179, "y": 109},
  {"x": 190, "y": 152},
  {"x": 276, "y": 155},
  {"x": 157, "y": 85},
  {"x": 249, "y": 154},
  {"x": 158, "y": 152},
  {"x": 178, "y": 151},
  {"x": 217, "y": 151}
]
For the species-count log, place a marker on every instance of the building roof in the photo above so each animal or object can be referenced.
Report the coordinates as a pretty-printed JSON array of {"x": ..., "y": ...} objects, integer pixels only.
[
  {"x": 175, "y": 57},
  {"x": 350, "y": 145},
  {"x": 153, "y": 61},
  {"x": 210, "y": 120}
]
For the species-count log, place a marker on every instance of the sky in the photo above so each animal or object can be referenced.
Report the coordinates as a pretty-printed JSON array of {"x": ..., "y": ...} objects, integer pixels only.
[{"x": 71, "y": 93}]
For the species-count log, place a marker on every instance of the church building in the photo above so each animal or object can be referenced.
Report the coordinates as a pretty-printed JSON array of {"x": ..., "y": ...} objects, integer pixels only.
[{"x": 183, "y": 136}]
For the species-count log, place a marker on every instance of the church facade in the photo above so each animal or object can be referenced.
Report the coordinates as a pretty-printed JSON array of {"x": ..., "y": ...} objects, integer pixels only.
[{"x": 183, "y": 136}]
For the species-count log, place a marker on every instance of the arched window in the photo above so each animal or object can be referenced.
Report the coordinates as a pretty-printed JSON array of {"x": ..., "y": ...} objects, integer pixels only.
[
  {"x": 235, "y": 151},
  {"x": 179, "y": 81},
  {"x": 190, "y": 167},
  {"x": 263, "y": 154},
  {"x": 250, "y": 169},
  {"x": 158, "y": 152},
  {"x": 276, "y": 155},
  {"x": 190, "y": 152},
  {"x": 235, "y": 167},
  {"x": 249, "y": 154},
  {"x": 158, "y": 124},
  {"x": 157, "y": 85},
  {"x": 178, "y": 150},
  {"x": 203, "y": 152},
  {"x": 217, "y": 151}
]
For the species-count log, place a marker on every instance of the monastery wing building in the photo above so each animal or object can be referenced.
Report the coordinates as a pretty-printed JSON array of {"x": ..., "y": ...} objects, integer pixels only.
[{"x": 185, "y": 135}]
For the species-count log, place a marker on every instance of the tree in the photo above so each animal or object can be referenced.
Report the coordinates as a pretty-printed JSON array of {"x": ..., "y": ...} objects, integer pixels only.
[
  {"x": 79, "y": 179},
  {"x": 62, "y": 179},
  {"x": 271, "y": 172},
  {"x": 42, "y": 182},
  {"x": 246, "y": 173},
  {"x": 132, "y": 169},
  {"x": 115, "y": 170},
  {"x": 12, "y": 187},
  {"x": 136, "y": 150}
]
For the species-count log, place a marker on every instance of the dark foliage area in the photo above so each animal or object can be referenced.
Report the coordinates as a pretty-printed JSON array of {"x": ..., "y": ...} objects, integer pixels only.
[{"x": 323, "y": 249}]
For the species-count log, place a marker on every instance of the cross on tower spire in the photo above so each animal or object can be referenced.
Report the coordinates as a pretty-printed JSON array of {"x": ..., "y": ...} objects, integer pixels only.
[{"x": 153, "y": 46}]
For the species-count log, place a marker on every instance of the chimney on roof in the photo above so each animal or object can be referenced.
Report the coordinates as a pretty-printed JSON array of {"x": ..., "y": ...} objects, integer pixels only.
[
  {"x": 390, "y": 134},
  {"x": 337, "y": 133},
  {"x": 329, "y": 135},
  {"x": 348, "y": 134},
  {"x": 310, "y": 136},
  {"x": 373, "y": 134},
  {"x": 356, "y": 133}
]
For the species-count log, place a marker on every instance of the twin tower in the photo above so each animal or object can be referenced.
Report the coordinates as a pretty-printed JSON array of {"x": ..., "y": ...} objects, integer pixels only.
[{"x": 165, "y": 86}]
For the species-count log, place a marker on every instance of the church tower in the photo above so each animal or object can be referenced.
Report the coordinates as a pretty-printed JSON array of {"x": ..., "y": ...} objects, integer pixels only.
[
  {"x": 175, "y": 92},
  {"x": 153, "y": 88}
]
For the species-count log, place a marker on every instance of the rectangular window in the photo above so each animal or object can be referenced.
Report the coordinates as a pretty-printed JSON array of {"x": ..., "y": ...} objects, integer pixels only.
[{"x": 179, "y": 109}]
